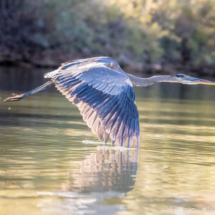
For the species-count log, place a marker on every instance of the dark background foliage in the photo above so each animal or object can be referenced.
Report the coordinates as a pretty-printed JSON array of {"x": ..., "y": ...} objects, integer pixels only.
[{"x": 150, "y": 35}]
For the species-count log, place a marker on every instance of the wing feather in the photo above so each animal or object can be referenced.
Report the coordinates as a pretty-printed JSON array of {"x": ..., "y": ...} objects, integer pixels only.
[{"x": 105, "y": 98}]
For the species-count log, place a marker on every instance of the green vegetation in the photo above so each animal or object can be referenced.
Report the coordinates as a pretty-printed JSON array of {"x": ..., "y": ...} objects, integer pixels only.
[{"x": 150, "y": 31}]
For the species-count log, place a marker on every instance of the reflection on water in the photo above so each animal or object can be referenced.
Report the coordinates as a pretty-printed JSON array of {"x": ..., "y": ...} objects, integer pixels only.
[
  {"x": 50, "y": 162},
  {"x": 104, "y": 174},
  {"x": 107, "y": 170}
]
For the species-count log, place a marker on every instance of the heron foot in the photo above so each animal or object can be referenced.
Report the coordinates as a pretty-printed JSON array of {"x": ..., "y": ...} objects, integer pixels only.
[{"x": 15, "y": 97}]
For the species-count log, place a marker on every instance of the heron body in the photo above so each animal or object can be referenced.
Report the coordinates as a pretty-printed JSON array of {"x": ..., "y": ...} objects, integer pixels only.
[{"x": 104, "y": 94}]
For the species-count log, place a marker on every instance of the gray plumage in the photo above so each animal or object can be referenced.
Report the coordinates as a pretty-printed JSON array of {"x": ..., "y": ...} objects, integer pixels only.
[{"x": 104, "y": 94}]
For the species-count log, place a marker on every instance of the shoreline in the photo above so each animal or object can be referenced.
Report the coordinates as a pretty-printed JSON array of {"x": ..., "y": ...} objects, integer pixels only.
[{"x": 128, "y": 65}]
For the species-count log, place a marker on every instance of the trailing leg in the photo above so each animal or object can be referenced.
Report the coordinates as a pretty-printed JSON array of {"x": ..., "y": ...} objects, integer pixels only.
[{"x": 17, "y": 97}]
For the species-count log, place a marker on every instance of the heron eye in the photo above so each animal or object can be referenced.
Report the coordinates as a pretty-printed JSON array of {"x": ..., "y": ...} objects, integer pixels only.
[{"x": 186, "y": 78}]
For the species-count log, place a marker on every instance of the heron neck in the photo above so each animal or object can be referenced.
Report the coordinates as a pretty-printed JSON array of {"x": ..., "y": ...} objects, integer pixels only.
[{"x": 144, "y": 82}]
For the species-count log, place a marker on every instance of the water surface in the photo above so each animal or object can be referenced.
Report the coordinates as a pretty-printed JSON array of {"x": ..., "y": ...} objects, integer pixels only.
[{"x": 51, "y": 163}]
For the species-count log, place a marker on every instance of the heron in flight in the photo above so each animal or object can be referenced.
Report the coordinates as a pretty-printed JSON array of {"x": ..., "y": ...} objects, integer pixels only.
[{"x": 105, "y": 96}]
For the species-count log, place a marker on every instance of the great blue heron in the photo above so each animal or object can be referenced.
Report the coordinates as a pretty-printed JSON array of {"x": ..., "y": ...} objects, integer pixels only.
[{"x": 104, "y": 95}]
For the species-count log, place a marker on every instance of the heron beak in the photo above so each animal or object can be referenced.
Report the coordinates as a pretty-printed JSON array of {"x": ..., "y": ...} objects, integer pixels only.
[
  {"x": 198, "y": 81},
  {"x": 201, "y": 81}
]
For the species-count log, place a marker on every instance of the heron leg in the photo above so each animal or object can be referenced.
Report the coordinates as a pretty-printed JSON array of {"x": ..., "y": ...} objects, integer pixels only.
[{"x": 17, "y": 97}]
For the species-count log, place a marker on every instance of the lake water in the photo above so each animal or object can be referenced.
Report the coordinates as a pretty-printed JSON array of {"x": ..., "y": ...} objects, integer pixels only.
[{"x": 51, "y": 163}]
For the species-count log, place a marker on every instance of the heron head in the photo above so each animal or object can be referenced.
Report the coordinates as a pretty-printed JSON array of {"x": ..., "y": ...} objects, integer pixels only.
[{"x": 185, "y": 79}]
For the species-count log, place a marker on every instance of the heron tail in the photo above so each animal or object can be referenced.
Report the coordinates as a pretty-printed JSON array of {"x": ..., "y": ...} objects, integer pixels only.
[{"x": 17, "y": 97}]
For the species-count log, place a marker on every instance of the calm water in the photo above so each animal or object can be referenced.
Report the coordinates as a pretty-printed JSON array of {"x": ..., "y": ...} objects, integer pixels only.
[{"x": 51, "y": 163}]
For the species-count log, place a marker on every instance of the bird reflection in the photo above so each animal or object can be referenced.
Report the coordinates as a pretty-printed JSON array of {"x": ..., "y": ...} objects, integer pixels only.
[
  {"x": 107, "y": 170},
  {"x": 104, "y": 174}
]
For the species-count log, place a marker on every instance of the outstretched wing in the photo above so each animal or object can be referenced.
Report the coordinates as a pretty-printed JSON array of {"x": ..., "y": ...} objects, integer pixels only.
[{"x": 104, "y": 97}]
